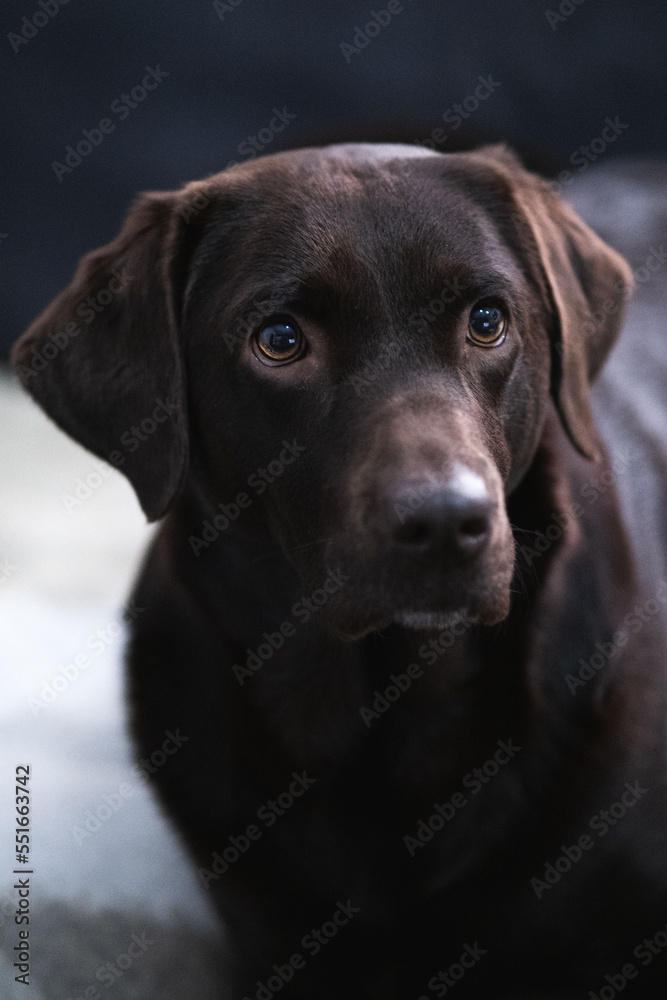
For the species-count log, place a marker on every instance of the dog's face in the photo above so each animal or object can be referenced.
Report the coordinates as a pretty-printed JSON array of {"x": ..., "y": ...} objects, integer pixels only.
[
  {"x": 400, "y": 318},
  {"x": 402, "y": 348}
]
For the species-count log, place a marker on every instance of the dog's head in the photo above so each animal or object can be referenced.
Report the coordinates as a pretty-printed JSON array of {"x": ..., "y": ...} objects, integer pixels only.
[{"x": 379, "y": 329}]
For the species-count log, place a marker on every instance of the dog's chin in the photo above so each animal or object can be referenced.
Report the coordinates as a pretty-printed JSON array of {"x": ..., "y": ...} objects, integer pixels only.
[
  {"x": 469, "y": 614},
  {"x": 352, "y": 622},
  {"x": 434, "y": 620}
]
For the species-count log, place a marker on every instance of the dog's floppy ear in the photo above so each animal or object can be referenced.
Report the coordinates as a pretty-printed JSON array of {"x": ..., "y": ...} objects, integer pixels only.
[
  {"x": 588, "y": 283},
  {"x": 104, "y": 357}
]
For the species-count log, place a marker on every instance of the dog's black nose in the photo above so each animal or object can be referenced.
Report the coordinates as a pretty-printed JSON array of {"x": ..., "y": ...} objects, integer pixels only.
[{"x": 450, "y": 520}]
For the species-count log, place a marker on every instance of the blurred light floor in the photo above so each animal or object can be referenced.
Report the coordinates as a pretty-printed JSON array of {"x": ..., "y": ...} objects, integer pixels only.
[{"x": 65, "y": 571}]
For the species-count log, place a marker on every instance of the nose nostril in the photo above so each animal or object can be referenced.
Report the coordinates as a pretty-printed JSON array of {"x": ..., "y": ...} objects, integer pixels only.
[
  {"x": 450, "y": 522},
  {"x": 474, "y": 527}
]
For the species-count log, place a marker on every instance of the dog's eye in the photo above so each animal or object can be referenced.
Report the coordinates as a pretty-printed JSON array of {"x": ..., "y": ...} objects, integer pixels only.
[
  {"x": 486, "y": 325},
  {"x": 279, "y": 343}
]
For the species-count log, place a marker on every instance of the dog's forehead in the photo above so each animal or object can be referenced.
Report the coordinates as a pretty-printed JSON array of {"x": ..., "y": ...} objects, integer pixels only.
[
  {"x": 358, "y": 207},
  {"x": 343, "y": 179}
]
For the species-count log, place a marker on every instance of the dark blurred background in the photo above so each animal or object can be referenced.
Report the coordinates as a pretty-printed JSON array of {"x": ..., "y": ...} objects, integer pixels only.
[{"x": 554, "y": 72}]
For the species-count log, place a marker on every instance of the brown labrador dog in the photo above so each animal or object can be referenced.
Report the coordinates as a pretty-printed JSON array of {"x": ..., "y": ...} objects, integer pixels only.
[{"x": 420, "y": 679}]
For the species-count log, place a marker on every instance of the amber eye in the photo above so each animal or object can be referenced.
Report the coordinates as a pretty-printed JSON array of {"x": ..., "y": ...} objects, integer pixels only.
[
  {"x": 280, "y": 342},
  {"x": 487, "y": 325}
]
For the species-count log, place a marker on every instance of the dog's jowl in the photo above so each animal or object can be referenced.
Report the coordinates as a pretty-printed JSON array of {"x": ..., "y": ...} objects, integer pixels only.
[{"x": 337, "y": 588}]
